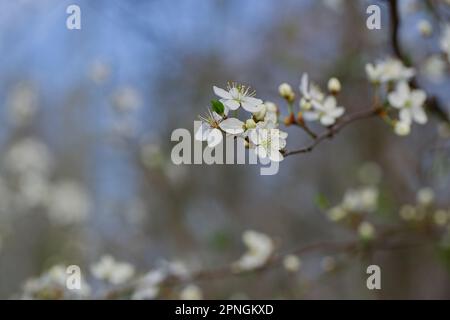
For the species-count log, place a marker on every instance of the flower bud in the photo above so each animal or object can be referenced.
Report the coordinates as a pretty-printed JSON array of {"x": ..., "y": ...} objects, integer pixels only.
[
  {"x": 425, "y": 196},
  {"x": 366, "y": 231},
  {"x": 402, "y": 128},
  {"x": 334, "y": 86},
  {"x": 292, "y": 263},
  {"x": 286, "y": 92},
  {"x": 250, "y": 124},
  {"x": 259, "y": 116},
  {"x": 425, "y": 28}
]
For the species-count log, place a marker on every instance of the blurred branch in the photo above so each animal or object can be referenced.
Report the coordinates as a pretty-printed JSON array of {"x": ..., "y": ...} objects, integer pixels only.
[{"x": 432, "y": 102}]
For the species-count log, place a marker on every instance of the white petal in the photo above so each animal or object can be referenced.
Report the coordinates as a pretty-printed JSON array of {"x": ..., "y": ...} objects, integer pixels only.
[
  {"x": 310, "y": 115},
  {"x": 261, "y": 152},
  {"x": 418, "y": 97},
  {"x": 304, "y": 85},
  {"x": 405, "y": 116},
  {"x": 202, "y": 132},
  {"x": 214, "y": 138},
  {"x": 337, "y": 112},
  {"x": 327, "y": 120},
  {"x": 252, "y": 104},
  {"x": 231, "y": 104},
  {"x": 396, "y": 100},
  {"x": 253, "y": 136},
  {"x": 419, "y": 115},
  {"x": 222, "y": 93},
  {"x": 276, "y": 156},
  {"x": 232, "y": 126}
]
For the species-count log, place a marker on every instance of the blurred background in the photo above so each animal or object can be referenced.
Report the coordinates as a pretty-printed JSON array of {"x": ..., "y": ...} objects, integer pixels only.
[{"x": 85, "y": 123}]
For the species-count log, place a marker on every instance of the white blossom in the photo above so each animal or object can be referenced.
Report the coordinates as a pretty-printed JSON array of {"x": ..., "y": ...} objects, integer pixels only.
[
  {"x": 326, "y": 112},
  {"x": 310, "y": 93},
  {"x": 434, "y": 68},
  {"x": 28, "y": 156},
  {"x": 268, "y": 142},
  {"x": 388, "y": 70},
  {"x": 364, "y": 199},
  {"x": 22, "y": 104},
  {"x": 409, "y": 102},
  {"x": 68, "y": 203},
  {"x": 425, "y": 28},
  {"x": 425, "y": 196},
  {"x": 191, "y": 292},
  {"x": 366, "y": 231},
  {"x": 259, "y": 250},
  {"x": 112, "y": 271},
  {"x": 210, "y": 129},
  {"x": 238, "y": 96},
  {"x": 285, "y": 90},
  {"x": 334, "y": 85},
  {"x": 126, "y": 99},
  {"x": 402, "y": 128},
  {"x": 52, "y": 285},
  {"x": 292, "y": 263}
]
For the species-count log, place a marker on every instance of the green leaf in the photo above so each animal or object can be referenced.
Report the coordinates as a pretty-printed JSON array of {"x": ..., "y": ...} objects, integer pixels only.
[
  {"x": 217, "y": 106},
  {"x": 321, "y": 202}
]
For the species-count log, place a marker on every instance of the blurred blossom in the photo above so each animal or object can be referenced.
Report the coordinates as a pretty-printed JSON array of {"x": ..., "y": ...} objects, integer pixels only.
[
  {"x": 425, "y": 28},
  {"x": 425, "y": 196},
  {"x": 336, "y": 5},
  {"x": 191, "y": 292},
  {"x": 337, "y": 213},
  {"x": 434, "y": 68},
  {"x": 408, "y": 212},
  {"x": 366, "y": 231},
  {"x": 148, "y": 285},
  {"x": 112, "y": 271},
  {"x": 259, "y": 250},
  {"x": 441, "y": 217},
  {"x": 52, "y": 285},
  {"x": 33, "y": 191},
  {"x": 176, "y": 174},
  {"x": 361, "y": 200},
  {"x": 28, "y": 156},
  {"x": 68, "y": 203},
  {"x": 126, "y": 99},
  {"x": 22, "y": 104},
  {"x": 292, "y": 263},
  {"x": 99, "y": 72}
]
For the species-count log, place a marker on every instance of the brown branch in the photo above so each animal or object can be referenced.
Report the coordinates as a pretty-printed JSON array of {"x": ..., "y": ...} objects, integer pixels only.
[{"x": 346, "y": 120}]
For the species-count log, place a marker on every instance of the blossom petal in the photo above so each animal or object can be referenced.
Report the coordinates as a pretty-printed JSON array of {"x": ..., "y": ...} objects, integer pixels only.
[
  {"x": 231, "y": 104},
  {"x": 327, "y": 120},
  {"x": 214, "y": 138},
  {"x": 310, "y": 115},
  {"x": 232, "y": 126},
  {"x": 276, "y": 156},
  {"x": 419, "y": 115},
  {"x": 203, "y": 132},
  {"x": 405, "y": 116},
  {"x": 304, "y": 85},
  {"x": 251, "y": 104},
  {"x": 337, "y": 112},
  {"x": 222, "y": 93},
  {"x": 261, "y": 152}
]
